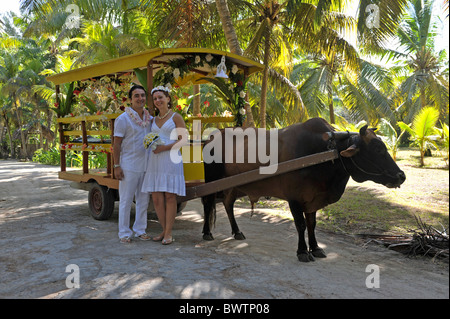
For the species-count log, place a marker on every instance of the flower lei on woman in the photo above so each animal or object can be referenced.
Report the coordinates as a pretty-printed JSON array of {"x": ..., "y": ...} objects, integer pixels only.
[{"x": 136, "y": 119}]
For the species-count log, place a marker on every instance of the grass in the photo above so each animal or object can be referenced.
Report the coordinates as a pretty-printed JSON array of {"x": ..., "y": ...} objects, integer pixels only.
[{"x": 370, "y": 208}]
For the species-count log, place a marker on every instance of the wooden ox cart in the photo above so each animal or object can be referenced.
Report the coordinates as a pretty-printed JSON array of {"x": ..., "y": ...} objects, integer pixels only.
[{"x": 76, "y": 132}]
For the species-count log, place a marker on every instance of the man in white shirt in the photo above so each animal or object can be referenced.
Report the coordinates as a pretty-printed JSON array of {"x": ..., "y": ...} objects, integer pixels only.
[{"x": 130, "y": 158}]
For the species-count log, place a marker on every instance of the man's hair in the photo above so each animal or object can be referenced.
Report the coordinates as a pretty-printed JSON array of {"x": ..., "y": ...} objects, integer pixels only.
[{"x": 135, "y": 87}]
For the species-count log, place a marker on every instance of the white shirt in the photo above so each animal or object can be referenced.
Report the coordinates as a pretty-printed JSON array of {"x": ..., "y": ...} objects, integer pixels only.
[{"x": 133, "y": 155}]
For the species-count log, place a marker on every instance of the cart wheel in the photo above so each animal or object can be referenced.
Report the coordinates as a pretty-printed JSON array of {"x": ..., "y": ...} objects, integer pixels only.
[{"x": 101, "y": 202}]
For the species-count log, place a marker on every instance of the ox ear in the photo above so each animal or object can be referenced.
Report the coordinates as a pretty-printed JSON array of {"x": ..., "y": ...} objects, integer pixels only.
[
  {"x": 363, "y": 130},
  {"x": 367, "y": 133},
  {"x": 350, "y": 151}
]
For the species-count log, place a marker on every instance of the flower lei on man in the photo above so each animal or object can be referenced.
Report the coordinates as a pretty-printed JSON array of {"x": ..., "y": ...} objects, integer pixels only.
[
  {"x": 136, "y": 119},
  {"x": 235, "y": 91}
]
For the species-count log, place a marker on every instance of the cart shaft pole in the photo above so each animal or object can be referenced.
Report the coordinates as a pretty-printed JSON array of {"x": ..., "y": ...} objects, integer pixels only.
[{"x": 255, "y": 175}]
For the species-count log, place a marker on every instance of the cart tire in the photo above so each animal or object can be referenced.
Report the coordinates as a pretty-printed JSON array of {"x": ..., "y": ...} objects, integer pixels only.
[{"x": 101, "y": 202}]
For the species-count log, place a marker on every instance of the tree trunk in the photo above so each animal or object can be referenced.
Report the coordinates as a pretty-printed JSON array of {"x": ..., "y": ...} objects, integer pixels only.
[
  {"x": 23, "y": 142},
  {"x": 233, "y": 45},
  {"x": 228, "y": 27},
  {"x": 331, "y": 107},
  {"x": 423, "y": 99},
  {"x": 49, "y": 125},
  {"x": 8, "y": 131},
  {"x": 264, "y": 86},
  {"x": 422, "y": 153}
]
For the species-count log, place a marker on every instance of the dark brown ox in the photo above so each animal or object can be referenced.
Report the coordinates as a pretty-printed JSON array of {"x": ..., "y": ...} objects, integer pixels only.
[{"x": 363, "y": 156}]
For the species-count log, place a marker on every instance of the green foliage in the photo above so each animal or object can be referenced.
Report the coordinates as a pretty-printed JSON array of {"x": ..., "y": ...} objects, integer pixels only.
[
  {"x": 445, "y": 139},
  {"x": 423, "y": 130},
  {"x": 64, "y": 106},
  {"x": 50, "y": 157},
  {"x": 390, "y": 137},
  {"x": 343, "y": 125},
  {"x": 232, "y": 93},
  {"x": 313, "y": 69},
  {"x": 73, "y": 159}
]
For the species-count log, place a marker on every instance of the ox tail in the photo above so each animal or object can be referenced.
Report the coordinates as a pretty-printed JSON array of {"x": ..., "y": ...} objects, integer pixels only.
[{"x": 209, "y": 207}]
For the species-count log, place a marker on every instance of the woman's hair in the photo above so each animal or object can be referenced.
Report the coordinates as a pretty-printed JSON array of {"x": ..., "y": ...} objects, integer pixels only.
[
  {"x": 135, "y": 87},
  {"x": 166, "y": 94}
]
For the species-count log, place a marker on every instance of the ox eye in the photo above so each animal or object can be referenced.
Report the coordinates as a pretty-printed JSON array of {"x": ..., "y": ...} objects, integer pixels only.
[{"x": 380, "y": 149}]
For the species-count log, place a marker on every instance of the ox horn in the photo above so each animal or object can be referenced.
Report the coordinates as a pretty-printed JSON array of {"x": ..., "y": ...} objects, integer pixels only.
[{"x": 337, "y": 135}]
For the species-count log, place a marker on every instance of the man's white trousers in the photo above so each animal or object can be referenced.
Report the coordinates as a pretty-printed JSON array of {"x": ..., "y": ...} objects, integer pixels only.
[{"x": 130, "y": 187}]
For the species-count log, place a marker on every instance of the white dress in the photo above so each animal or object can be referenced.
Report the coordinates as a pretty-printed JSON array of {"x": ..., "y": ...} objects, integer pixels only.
[{"x": 163, "y": 175}]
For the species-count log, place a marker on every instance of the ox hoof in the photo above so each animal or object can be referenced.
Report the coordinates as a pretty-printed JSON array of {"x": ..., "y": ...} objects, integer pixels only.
[
  {"x": 208, "y": 237},
  {"x": 319, "y": 253},
  {"x": 239, "y": 236},
  {"x": 305, "y": 257}
]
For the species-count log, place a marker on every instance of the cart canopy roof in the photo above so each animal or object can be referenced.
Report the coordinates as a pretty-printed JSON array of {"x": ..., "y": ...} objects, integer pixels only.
[{"x": 159, "y": 58}]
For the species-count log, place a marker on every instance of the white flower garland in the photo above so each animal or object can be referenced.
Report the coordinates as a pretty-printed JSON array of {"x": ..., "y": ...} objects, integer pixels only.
[{"x": 137, "y": 119}]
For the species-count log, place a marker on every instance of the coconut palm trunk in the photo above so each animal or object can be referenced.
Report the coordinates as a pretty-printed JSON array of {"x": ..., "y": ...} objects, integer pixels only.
[
  {"x": 264, "y": 86},
  {"x": 233, "y": 45},
  {"x": 228, "y": 27},
  {"x": 23, "y": 142}
]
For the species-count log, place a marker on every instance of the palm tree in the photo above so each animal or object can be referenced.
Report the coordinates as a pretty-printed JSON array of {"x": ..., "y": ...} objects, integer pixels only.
[
  {"x": 186, "y": 23},
  {"x": 278, "y": 25},
  {"x": 6, "y": 119},
  {"x": 426, "y": 82},
  {"x": 23, "y": 59},
  {"x": 270, "y": 32},
  {"x": 364, "y": 93},
  {"x": 13, "y": 83},
  {"x": 390, "y": 137},
  {"x": 102, "y": 42},
  {"x": 228, "y": 28},
  {"x": 378, "y": 20},
  {"x": 233, "y": 44},
  {"x": 423, "y": 130},
  {"x": 314, "y": 26},
  {"x": 64, "y": 102}
]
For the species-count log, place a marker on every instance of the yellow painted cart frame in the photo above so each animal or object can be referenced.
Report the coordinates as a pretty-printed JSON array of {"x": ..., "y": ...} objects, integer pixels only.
[{"x": 103, "y": 185}]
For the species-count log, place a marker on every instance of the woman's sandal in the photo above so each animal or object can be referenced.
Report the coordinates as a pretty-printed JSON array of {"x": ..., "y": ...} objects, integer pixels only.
[
  {"x": 168, "y": 241},
  {"x": 159, "y": 238}
]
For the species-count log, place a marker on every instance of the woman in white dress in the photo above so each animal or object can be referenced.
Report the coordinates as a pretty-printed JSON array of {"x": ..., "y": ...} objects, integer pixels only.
[{"x": 164, "y": 178}]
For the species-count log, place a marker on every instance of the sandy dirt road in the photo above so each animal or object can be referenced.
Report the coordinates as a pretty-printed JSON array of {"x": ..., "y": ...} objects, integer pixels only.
[{"x": 45, "y": 226}]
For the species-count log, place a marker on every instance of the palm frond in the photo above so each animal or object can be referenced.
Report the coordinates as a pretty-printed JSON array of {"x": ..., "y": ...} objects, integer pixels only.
[{"x": 424, "y": 122}]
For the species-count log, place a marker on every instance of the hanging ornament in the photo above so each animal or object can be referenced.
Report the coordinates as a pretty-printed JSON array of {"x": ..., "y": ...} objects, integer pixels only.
[{"x": 222, "y": 69}]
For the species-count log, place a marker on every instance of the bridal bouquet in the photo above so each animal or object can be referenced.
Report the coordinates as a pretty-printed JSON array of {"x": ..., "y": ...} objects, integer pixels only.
[{"x": 152, "y": 140}]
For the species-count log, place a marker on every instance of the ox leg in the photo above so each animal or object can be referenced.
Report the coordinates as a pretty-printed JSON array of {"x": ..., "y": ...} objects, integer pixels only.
[
  {"x": 314, "y": 248},
  {"x": 209, "y": 212},
  {"x": 230, "y": 198},
  {"x": 297, "y": 212}
]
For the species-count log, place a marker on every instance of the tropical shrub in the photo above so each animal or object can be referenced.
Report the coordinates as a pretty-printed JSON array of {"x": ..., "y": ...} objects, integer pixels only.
[
  {"x": 390, "y": 137},
  {"x": 423, "y": 130},
  {"x": 73, "y": 159},
  {"x": 445, "y": 139}
]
